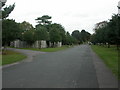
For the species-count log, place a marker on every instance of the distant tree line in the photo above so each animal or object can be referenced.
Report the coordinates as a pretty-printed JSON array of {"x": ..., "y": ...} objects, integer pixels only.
[
  {"x": 82, "y": 36},
  {"x": 44, "y": 30},
  {"x": 109, "y": 33}
]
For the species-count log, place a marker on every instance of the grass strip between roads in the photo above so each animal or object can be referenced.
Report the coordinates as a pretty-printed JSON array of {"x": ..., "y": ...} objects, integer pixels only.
[
  {"x": 49, "y": 49},
  {"x": 11, "y": 57},
  {"x": 109, "y": 56}
]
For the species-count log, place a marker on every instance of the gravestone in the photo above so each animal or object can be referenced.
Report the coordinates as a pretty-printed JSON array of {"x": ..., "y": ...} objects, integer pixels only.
[
  {"x": 59, "y": 44},
  {"x": 43, "y": 44},
  {"x": 17, "y": 43}
]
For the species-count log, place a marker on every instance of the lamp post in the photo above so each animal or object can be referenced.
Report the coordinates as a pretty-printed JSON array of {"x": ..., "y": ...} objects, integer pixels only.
[{"x": 1, "y": 4}]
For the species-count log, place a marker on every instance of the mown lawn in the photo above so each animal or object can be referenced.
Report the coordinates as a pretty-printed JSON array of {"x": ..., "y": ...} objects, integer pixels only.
[
  {"x": 48, "y": 49},
  {"x": 109, "y": 56},
  {"x": 11, "y": 57}
]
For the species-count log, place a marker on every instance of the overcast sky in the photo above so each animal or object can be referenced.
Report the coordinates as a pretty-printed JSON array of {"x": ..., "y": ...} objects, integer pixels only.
[{"x": 72, "y": 14}]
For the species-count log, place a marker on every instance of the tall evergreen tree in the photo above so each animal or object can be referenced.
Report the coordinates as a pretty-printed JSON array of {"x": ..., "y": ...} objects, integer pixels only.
[
  {"x": 7, "y": 10},
  {"x": 44, "y": 20}
]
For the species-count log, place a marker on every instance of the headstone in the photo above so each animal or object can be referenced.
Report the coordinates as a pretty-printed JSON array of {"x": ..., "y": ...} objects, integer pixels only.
[
  {"x": 59, "y": 44},
  {"x": 43, "y": 44},
  {"x": 17, "y": 44}
]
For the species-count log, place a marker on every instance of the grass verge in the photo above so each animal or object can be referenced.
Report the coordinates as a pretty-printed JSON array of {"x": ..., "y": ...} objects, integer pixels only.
[
  {"x": 11, "y": 57},
  {"x": 49, "y": 49},
  {"x": 109, "y": 56}
]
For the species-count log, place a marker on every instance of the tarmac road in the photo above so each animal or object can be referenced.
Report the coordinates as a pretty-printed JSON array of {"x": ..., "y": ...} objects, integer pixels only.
[{"x": 76, "y": 67}]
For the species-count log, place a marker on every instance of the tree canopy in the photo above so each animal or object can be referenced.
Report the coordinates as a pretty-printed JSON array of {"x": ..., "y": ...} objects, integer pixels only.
[
  {"x": 10, "y": 31},
  {"x": 44, "y": 20},
  {"x": 109, "y": 33},
  {"x": 29, "y": 36},
  {"x": 82, "y": 36},
  {"x": 41, "y": 33},
  {"x": 7, "y": 10}
]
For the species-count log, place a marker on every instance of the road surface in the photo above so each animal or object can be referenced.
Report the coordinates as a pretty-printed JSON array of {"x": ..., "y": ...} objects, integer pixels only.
[{"x": 76, "y": 67}]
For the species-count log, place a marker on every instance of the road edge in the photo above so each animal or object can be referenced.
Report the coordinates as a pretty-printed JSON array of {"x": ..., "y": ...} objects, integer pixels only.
[{"x": 105, "y": 77}]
